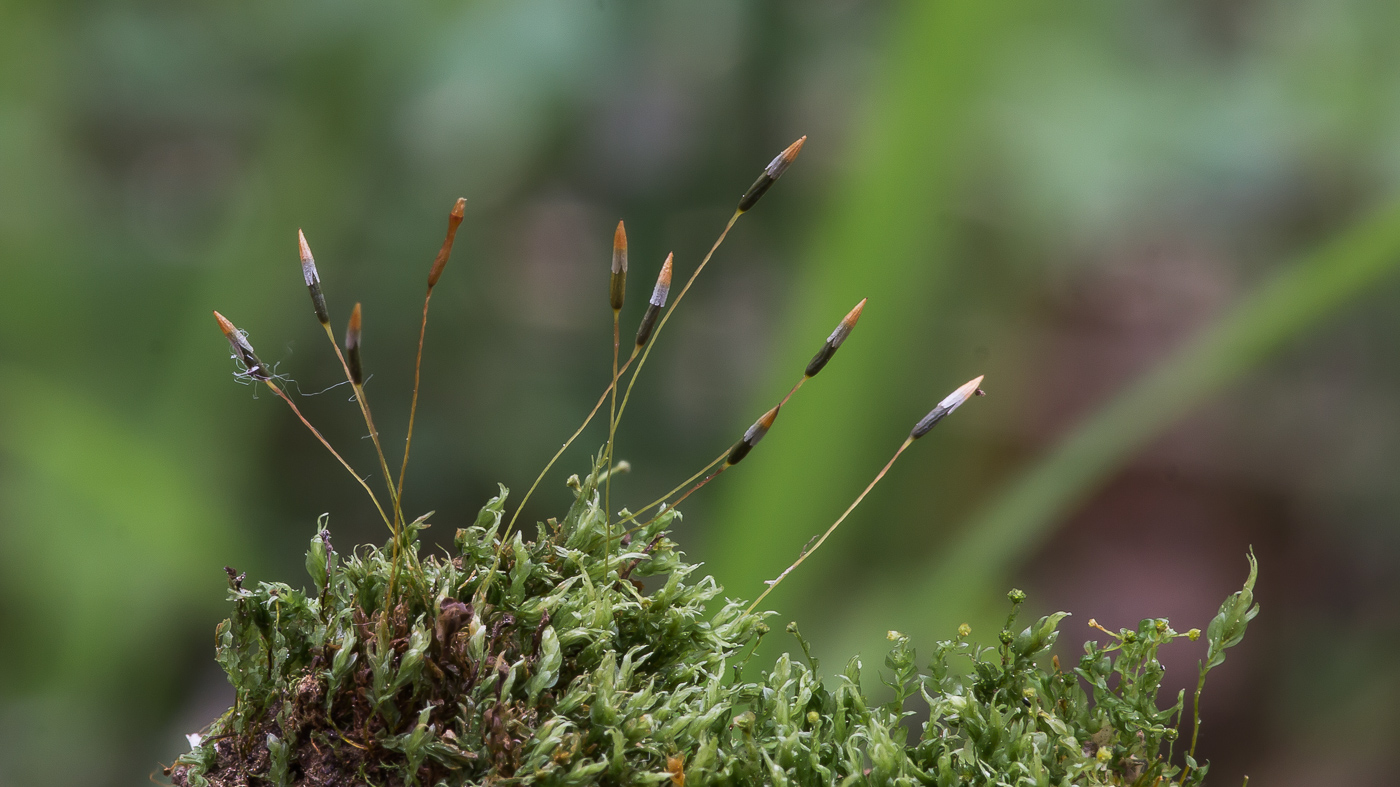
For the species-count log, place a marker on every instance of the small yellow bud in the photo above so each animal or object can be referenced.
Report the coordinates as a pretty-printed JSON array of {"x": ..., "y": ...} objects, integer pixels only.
[
  {"x": 813, "y": 717},
  {"x": 1193, "y": 634},
  {"x": 893, "y": 636},
  {"x": 964, "y": 630},
  {"x": 1105, "y": 754}
]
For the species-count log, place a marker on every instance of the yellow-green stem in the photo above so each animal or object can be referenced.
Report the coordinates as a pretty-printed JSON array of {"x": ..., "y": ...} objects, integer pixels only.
[
  {"x": 334, "y": 453},
  {"x": 612, "y": 435},
  {"x": 633, "y": 517},
  {"x": 369, "y": 424},
  {"x": 656, "y": 335},
  {"x": 413, "y": 406},
  {"x": 908, "y": 441}
]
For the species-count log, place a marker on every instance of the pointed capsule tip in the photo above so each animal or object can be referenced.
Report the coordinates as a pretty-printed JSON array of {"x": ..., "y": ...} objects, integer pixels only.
[
  {"x": 242, "y": 349},
  {"x": 854, "y": 315},
  {"x": 619, "y": 257},
  {"x": 771, "y": 173},
  {"x": 224, "y": 325},
  {"x": 355, "y": 321},
  {"x": 454, "y": 220},
  {"x": 303, "y": 247},
  {"x": 792, "y": 150},
  {"x": 662, "y": 289},
  {"x": 766, "y": 422},
  {"x": 834, "y": 341},
  {"x": 965, "y": 391}
]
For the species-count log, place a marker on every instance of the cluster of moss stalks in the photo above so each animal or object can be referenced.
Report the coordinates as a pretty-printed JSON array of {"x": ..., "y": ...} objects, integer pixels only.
[{"x": 569, "y": 669}]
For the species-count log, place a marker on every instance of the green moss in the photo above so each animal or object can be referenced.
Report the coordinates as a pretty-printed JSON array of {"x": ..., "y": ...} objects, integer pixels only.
[{"x": 568, "y": 672}]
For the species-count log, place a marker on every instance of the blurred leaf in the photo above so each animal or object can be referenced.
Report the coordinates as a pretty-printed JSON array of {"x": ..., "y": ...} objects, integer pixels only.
[{"x": 98, "y": 511}]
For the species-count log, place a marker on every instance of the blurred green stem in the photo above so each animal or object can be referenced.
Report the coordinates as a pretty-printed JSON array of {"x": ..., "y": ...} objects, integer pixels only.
[
  {"x": 882, "y": 238},
  {"x": 1016, "y": 522}
]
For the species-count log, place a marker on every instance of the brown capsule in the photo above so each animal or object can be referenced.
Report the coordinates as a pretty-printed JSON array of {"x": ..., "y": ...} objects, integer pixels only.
[
  {"x": 352, "y": 348},
  {"x": 950, "y": 403},
  {"x": 755, "y": 433},
  {"x": 313, "y": 280},
  {"x": 617, "y": 285},
  {"x": 771, "y": 173},
  {"x": 454, "y": 219},
  {"x": 657, "y": 302},
  {"x": 242, "y": 350},
  {"x": 834, "y": 341}
]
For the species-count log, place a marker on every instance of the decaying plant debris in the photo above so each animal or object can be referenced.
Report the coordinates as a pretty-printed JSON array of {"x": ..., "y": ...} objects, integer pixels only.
[{"x": 547, "y": 661}]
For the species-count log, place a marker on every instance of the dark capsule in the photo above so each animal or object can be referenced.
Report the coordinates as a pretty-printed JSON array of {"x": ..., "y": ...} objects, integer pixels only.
[
  {"x": 313, "y": 280},
  {"x": 454, "y": 219},
  {"x": 751, "y": 437},
  {"x": 617, "y": 285},
  {"x": 352, "y": 348},
  {"x": 657, "y": 302},
  {"x": 242, "y": 350},
  {"x": 834, "y": 341},
  {"x": 770, "y": 175},
  {"x": 950, "y": 403}
]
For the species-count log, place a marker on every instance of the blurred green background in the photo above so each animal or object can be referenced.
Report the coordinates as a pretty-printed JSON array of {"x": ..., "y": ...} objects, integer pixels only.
[{"x": 1167, "y": 232}]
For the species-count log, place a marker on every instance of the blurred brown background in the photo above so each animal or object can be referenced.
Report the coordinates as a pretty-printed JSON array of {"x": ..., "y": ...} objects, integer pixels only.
[{"x": 1164, "y": 230}]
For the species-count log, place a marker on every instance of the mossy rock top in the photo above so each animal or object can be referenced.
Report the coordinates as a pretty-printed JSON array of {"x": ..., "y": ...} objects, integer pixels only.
[{"x": 549, "y": 662}]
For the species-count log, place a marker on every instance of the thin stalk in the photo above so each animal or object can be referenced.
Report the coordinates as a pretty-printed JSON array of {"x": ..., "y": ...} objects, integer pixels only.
[
  {"x": 369, "y": 424},
  {"x": 769, "y": 176},
  {"x": 703, "y": 470},
  {"x": 334, "y": 453},
  {"x": 413, "y": 406},
  {"x": 586, "y": 421},
  {"x": 454, "y": 220},
  {"x": 814, "y": 367},
  {"x": 737, "y": 452},
  {"x": 663, "y": 498},
  {"x": 254, "y": 368},
  {"x": 771, "y": 173},
  {"x": 943, "y": 409},
  {"x": 667, "y": 316},
  {"x": 617, "y": 296},
  {"x": 612, "y": 435},
  {"x": 485, "y": 584},
  {"x": 707, "y": 480},
  {"x": 354, "y": 372},
  {"x": 908, "y": 441},
  {"x": 1195, "y": 726},
  {"x": 794, "y": 388}
]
